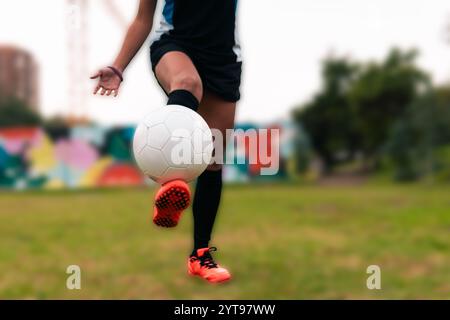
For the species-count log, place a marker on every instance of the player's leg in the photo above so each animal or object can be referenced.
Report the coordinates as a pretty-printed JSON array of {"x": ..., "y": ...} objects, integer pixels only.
[
  {"x": 219, "y": 114},
  {"x": 181, "y": 81}
]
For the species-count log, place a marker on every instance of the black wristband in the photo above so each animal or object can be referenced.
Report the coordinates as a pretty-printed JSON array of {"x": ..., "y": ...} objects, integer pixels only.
[{"x": 116, "y": 72}]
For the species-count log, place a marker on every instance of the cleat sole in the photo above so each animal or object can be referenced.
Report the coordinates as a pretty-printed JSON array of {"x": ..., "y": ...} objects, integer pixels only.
[{"x": 170, "y": 202}]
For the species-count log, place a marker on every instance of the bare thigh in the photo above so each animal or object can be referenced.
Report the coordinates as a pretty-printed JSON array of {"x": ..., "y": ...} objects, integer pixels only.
[
  {"x": 219, "y": 114},
  {"x": 176, "y": 71}
]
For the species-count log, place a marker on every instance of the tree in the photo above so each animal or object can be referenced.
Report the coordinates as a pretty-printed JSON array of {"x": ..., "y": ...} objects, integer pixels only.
[
  {"x": 442, "y": 127},
  {"x": 328, "y": 117},
  {"x": 14, "y": 112},
  {"x": 381, "y": 95},
  {"x": 358, "y": 104},
  {"x": 419, "y": 143}
]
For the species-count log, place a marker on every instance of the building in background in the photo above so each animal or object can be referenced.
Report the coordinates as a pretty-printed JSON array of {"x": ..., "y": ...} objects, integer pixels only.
[{"x": 19, "y": 76}]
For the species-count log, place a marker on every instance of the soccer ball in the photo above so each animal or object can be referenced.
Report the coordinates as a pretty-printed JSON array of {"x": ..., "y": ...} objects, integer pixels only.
[{"x": 171, "y": 143}]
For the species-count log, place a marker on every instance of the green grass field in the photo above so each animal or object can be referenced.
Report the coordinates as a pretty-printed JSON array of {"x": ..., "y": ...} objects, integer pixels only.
[{"x": 280, "y": 242}]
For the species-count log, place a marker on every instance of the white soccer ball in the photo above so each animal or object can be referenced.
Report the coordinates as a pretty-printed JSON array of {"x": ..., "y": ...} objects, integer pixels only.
[{"x": 173, "y": 142}]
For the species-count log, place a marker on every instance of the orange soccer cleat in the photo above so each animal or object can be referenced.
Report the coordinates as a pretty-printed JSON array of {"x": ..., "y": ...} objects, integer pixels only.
[
  {"x": 170, "y": 201},
  {"x": 202, "y": 264}
]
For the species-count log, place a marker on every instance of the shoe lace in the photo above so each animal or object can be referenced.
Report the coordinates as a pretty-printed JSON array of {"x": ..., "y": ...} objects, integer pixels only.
[{"x": 207, "y": 260}]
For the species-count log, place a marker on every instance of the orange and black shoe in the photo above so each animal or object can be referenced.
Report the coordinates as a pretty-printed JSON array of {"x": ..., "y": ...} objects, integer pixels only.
[
  {"x": 170, "y": 201},
  {"x": 202, "y": 264}
]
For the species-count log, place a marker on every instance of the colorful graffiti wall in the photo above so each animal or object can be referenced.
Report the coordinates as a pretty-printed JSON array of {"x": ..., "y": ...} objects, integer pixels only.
[
  {"x": 77, "y": 157},
  {"x": 82, "y": 157}
]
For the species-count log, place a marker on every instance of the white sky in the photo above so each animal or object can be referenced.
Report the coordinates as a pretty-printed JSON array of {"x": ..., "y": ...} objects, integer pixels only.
[{"x": 283, "y": 43}]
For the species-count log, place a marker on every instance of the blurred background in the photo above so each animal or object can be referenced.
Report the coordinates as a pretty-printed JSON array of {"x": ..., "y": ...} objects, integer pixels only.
[{"x": 360, "y": 92}]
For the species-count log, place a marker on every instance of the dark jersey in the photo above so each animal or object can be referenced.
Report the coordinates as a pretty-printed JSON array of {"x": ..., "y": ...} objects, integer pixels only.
[{"x": 206, "y": 25}]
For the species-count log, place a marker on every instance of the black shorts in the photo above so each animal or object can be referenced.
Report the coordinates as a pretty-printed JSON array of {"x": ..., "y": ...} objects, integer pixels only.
[{"x": 220, "y": 74}]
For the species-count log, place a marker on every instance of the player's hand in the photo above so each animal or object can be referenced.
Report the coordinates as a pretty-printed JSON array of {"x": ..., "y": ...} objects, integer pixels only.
[{"x": 108, "y": 82}]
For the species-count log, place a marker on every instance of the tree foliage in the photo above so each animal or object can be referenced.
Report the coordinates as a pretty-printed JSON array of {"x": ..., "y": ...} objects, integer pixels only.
[
  {"x": 381, "y": 95},
  {"x": 327, "y": 118},
  {"x": 358, "y": 105},
  {"x": 14, "y": 112},
  {"x": 418, "y": 141}
]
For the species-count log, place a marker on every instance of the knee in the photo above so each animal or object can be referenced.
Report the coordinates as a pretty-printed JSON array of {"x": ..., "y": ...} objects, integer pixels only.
[{"x": 191, "y": 83}]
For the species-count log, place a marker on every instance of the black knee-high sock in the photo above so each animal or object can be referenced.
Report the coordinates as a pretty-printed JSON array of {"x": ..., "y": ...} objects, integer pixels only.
[
  {"x": 206, "y": 203},
  {"x": 183, "y": 98}
]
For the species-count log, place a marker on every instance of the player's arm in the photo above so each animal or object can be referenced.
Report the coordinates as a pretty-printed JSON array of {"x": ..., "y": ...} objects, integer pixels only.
[
  {"x": 110, "y": 77},
  {"x": 136, "y": 34}
]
